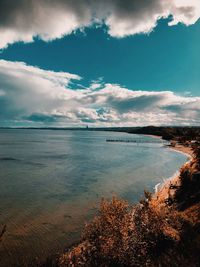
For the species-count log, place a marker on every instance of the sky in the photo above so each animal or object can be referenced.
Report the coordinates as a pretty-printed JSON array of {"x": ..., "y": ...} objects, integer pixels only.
[{"x": 99, "y": 63}]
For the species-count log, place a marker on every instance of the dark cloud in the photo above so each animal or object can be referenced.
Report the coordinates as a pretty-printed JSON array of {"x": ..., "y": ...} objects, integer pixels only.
[
  {"x": 138, "y": 103},
  {"x": 36, "y": 117},
  {"x": 22, "y": 20}
]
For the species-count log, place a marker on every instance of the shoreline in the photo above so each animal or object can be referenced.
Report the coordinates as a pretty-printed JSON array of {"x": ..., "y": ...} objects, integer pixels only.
[
  {"x": 187, "y": 151},
  {"x": 162, "y": 189},
  {"x": 179, "y": 148},
  {"x": 164, "y": 185},
  {"x": 154, "y": 136},
  {"x": 183, "y": 150}
]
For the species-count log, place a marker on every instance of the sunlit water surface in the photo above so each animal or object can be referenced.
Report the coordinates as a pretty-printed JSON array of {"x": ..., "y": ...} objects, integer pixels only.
[{"x": 52, "y": 181}]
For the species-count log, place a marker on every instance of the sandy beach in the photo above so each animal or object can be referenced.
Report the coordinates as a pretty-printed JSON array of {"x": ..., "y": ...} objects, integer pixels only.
[
  {"x": 183, "y": 149},
  {"x": 164, "y": 190},
  {"x": 180, "y": 148}
]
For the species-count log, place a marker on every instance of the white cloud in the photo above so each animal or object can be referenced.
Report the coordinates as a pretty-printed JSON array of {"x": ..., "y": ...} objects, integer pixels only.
[
  {"x": 23, "y": 20},
  {"x": 31, "y": 95}
]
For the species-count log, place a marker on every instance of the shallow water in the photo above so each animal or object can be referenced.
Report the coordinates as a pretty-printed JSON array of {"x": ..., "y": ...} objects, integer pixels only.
[{"x": 52, "y": 181}]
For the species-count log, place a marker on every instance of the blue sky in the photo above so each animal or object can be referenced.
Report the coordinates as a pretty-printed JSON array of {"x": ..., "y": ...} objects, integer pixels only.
[
  {"x": 144, "y": 70},
  {"x": 168, "y": 58}
]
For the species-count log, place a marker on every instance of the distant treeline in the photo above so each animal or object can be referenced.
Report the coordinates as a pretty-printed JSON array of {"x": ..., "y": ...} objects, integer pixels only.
[
  {"x": 170, "y": 133},
  {"x": 179, "y": 133}
]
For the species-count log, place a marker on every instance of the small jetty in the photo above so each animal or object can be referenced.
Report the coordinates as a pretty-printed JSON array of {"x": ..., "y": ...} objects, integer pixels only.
[{"x": 137, "y": 141}]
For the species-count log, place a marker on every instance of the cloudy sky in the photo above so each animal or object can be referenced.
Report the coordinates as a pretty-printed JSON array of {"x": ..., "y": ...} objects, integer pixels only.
[{"x": 99, "y": 63}]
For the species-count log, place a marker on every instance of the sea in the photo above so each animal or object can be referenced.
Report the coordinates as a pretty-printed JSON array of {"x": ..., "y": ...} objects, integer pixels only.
[{"x": 52, "y": 181}]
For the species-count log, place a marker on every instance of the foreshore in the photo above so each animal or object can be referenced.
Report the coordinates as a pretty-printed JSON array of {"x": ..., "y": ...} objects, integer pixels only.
[
  {"x": 180, "y": 148},
  {"x": 163, "y": 190},
  {"x": 183, "y": 149},
  {"x": 186, "y": 150}
]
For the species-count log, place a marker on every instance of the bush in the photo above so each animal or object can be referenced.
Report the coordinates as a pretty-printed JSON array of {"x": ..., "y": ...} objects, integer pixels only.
[
  {"x": 196, "y": 151},
  {"x": 120, "y": 236}
]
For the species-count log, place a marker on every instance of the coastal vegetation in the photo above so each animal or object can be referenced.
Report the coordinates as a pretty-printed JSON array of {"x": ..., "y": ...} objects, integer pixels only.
[{"x": 178, "y": 133}]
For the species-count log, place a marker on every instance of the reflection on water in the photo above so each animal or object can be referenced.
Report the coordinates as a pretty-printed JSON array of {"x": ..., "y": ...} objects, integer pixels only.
[{"x": 52, "y": 181}]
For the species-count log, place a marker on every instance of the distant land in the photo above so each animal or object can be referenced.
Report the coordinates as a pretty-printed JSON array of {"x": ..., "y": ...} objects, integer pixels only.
[{"x": 166, "y": 132}]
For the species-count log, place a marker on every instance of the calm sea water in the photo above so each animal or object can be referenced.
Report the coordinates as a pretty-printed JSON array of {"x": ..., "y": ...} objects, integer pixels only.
[{"x": 52, "y": 181}]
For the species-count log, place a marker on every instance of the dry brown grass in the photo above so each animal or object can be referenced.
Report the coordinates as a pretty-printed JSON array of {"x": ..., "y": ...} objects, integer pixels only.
[{"x": 120, "y": 236}]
